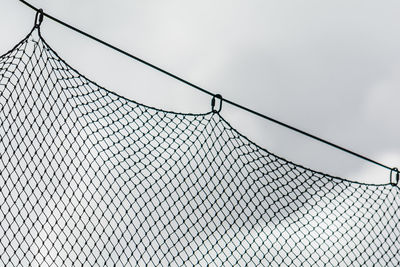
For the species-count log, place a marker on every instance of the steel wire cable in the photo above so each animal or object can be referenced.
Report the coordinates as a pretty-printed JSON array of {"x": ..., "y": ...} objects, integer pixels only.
[{"x": 295, "y": 129}]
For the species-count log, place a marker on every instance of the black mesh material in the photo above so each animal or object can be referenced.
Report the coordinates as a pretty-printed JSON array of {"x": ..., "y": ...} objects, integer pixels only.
[{"x": 91, "y": 178}]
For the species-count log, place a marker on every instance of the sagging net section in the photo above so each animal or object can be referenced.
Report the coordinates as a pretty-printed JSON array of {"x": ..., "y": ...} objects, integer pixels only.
[{"x": 90, "y": 178}]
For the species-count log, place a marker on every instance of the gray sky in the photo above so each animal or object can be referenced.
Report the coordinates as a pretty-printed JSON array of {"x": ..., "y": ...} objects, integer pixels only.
[{"x": 328, "y": 67}]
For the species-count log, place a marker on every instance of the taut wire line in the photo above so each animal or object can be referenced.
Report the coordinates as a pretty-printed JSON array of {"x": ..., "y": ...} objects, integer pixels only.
[{"x": 212, "y": 94}]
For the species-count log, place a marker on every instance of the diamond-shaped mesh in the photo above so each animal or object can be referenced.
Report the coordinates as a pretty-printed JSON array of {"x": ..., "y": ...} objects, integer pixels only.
[{"x": 90, "y": 178}]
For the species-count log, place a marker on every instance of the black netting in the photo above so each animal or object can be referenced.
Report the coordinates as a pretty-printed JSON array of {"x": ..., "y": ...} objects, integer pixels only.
[{"x": 91, "y": 178}]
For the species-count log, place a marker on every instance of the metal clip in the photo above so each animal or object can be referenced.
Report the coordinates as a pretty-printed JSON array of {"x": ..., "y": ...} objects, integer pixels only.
[
  {"x": 38, "y": 18},
  {"x": 394, "y": 173},
  {"x": 213, "y": 103}
]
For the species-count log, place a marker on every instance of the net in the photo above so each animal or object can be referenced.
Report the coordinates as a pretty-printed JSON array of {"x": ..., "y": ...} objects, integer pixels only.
[{"x": 88, "y": 177}]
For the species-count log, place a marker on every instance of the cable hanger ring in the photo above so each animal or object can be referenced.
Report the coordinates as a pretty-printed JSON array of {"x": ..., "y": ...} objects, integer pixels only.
[
  {"x": 39, "y": 18},
  {"x": 213, "y": 103},
  {"x": 395, "y": 174}
]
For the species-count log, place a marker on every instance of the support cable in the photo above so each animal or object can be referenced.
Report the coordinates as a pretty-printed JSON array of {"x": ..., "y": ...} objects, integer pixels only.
[{"x": 393, "y": 170}]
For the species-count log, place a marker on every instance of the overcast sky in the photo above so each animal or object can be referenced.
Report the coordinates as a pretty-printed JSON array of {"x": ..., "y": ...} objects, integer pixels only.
[{"x": 331, "y": 68}]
